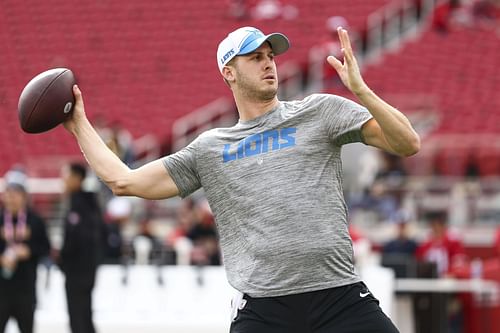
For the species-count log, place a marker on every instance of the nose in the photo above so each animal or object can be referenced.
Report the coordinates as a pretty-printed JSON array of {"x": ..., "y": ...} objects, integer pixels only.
[{"x": 267, "y": 63}]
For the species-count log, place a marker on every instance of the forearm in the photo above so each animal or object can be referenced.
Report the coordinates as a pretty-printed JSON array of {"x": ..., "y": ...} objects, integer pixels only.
[
  {"x": 108, "y": 167},
  {"x": 396, "y": 128}
]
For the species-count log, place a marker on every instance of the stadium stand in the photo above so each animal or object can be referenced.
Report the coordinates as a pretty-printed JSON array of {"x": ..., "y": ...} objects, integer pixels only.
[
  {"x": 148, "y": 64},
  {"x": 135, "y": 61},
  {"x": 458, "y": 69}
]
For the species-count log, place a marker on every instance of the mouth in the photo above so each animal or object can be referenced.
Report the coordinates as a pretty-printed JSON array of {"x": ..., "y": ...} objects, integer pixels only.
[{"x": 269, "y": 77}]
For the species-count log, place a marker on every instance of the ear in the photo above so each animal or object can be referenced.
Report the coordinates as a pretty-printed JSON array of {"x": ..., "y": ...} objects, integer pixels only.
[{"x": 228, "y": 73}]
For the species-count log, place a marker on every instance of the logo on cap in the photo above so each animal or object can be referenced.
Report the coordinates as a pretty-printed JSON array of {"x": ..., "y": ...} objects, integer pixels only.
[{"x": 227, "y": 55}]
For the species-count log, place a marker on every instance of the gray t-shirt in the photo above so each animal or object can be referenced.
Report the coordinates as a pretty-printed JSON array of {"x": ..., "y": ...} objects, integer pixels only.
[{"x": 274, "y": 184}]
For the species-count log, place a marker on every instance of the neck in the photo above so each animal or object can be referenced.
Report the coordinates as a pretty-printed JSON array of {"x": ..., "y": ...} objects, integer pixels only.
[
  {"x": 14, "y": 211},
  {"x": 249, "y": 109}
]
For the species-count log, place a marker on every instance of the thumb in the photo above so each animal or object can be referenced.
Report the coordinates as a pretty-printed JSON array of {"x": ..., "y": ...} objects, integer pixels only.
[
  {"x": 78, "y": 93},
  {"x": 337, "y": 64}
]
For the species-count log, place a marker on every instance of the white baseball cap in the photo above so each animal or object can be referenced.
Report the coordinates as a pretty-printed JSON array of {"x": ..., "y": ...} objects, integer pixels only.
[
  {"x": 246, "y": 40},
  {"x": 16, "y": 179}
]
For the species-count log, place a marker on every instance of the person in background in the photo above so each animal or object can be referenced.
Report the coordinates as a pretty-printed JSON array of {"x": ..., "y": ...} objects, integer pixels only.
[
  {"x": 118, "y": 213},
  {"x": 443, "y": 247},
  {"x": 496, "y": 244},
  {"x": 237, "y": 9},
  {"x": 399, "y": 252},
  {"x": 402, "y": 244},
  {"x": 79, "y": 257},
  {"x": 23, "y": 242},
  {"x": 146, "y": 232},
  {"x": 204, "y": 236}
]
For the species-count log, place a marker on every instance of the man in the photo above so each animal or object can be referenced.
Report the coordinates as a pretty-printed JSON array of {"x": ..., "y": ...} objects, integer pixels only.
[
  {"x": 23, "y": 242},
  {"x": 443, "y": 248},
  {"x": 83, "y": 227},
  {"x": 273, "y": 183},
  {"x": 399, "y": 252},
  {"x": 402, "y": 244}
]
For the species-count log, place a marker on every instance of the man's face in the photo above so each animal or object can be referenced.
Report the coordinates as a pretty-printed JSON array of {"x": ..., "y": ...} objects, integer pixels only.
[
  {"x": 72, "y": 182},
  {"x": 255, "y": 73},
  {"x": 14, "y": 200},
  {"x": 438, "y": 228}
]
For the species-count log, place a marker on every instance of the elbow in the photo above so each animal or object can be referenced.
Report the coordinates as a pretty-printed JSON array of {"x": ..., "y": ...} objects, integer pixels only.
[
  {"x": 119, "y": 191},
  {"x": 413, "y": 146},
  {"x": 119, "y": 188}
]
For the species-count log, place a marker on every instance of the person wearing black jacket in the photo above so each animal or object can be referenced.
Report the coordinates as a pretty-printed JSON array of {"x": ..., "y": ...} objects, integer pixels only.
[
  {"x": 23, "y": 242},
  {"x": 81, "y": 249}
]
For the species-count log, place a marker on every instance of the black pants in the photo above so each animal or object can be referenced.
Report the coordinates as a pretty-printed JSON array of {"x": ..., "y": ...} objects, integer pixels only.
[
  {"x": 79, "y": 299},
  {"x": 347, "y": 309},
  {"x": 19, "y": 306}
]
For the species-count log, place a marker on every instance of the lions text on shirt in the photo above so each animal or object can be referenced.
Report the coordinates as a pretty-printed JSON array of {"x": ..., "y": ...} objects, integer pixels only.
[{"x": 274, "y": 185}]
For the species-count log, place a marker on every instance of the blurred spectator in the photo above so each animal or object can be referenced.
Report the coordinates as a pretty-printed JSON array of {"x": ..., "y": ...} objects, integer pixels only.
[
  {"x": 443, "y": 248},
  {"x": 238, "y": 9},
  {"x": 177, "y": 238},
  {"x": 195, "y": 237},
  {"x": 204, "y": 236},
  {"x": 361, "y": 245},
  {"x": 402, "y": 244},
  {"x": 273, "y": 9},
  {"x": 451, "y": 15},
  {"x": 459, "y": 14},
  {"x": 496, "y": 244},
  {"x": 118, "y": 213},
  {"x": 392, "y": 170},
  {"x": 117, "y": 138},
  {"x": 384, "y": 195},
  {"x": 399, "y": 253},
  {"x": 121, "y": 143},
  {"x": 267, "y": 10},
  {"x": 486, "y": 13},
  {"x": 147, "y": 247},
  {"x": 23, "y": 242},
  {"x": 79, "y": 257}
]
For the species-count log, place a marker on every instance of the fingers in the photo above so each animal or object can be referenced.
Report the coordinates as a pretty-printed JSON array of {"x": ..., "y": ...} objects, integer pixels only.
[
  {"x": 346, "y": 44},
  {"x": 341, "y": 37},
  {"x": 78, "y": 93},
  {"x": 78, "y": 96},
  {"x": 337, "y": 64}
]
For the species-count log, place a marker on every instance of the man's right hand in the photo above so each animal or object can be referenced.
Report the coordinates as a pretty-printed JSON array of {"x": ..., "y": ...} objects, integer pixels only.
[
  {"x": 151, "y": 181},
  {"x": 78, "y": 114}
]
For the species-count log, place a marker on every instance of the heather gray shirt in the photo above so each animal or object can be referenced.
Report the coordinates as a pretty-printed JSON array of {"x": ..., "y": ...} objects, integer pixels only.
[{"x": 274, "y": 184}]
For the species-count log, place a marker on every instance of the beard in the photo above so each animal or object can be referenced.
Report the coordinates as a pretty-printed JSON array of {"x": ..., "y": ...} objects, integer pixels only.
[{"x": 251, "y": 89}]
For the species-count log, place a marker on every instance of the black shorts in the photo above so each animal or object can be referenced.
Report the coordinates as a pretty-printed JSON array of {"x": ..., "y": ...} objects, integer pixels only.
[{"x": 346, "y": 309}]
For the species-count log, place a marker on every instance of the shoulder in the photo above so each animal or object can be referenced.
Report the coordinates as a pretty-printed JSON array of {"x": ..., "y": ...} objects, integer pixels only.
[
  {"x": 312, "y": 104},
  {"x": 319, "y": 102},
  {"x": 207, "y": 135},
  {"x": 215, "y": 135},
  {"x": 203, "y": 140},
  {"x": 315, "y": 99},
  {"x": 325, "y": 98}
]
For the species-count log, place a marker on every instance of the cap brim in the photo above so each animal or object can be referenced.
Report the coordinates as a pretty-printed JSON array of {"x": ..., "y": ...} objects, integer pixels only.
[
  {"x": 15, "y": 187},
  {"x": 279, "y": 44}
]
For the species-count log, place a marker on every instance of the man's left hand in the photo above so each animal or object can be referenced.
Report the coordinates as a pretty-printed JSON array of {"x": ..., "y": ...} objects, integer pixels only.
[{"x": 348, "y": 70}]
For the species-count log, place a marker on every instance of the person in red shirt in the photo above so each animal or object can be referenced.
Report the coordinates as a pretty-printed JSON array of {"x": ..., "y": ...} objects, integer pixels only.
[
  {"x": 443, "y": 247},
  {"x": 496, "y": 244}
]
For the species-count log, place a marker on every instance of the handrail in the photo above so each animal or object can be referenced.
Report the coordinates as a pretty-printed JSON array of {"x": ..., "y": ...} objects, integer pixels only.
[{"x": 217, "y": 112}]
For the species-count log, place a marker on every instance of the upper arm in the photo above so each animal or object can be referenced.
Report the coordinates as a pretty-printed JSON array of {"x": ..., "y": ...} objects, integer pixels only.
[
  {"x": 373, "y": 136},
  {"x": 150, "y": 181}
]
